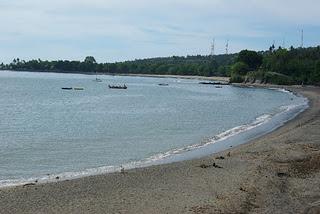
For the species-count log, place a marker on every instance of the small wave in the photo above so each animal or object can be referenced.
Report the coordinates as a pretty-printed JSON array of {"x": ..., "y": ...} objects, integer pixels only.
[
  {"x": 60, "y": 176},
  {"x": 289, "y": 107},
  {"x": 282, "y": 90}
]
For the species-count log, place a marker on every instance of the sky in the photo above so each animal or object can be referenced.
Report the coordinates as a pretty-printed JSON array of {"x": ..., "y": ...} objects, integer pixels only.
[{"x": 119, "y": 30}]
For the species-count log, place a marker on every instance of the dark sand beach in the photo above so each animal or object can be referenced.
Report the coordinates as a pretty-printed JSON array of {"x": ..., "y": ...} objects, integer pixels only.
[{"x": 277, "y": 173}]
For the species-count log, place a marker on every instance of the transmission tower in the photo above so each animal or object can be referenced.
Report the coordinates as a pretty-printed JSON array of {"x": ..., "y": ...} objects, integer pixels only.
[
  {"x": 302, "y": 39},
  {"x": 212, "y": 47},
  {"x": 227, "y": 47},
  {"x": 284, "y": 42}
]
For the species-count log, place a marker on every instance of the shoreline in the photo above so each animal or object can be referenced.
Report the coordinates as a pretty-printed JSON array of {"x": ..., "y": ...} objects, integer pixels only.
[
  {"x": 191, "y": 186},
  {"x": 233, "y": 137}
]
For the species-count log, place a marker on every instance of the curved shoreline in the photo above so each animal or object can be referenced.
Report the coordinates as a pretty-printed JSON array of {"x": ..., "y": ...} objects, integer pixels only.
[
  {"x": 254, "y": 177},
  {"x": 232, "y": 137}
]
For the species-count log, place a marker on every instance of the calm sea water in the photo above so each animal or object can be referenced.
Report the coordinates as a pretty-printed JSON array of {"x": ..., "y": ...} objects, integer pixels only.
[{"x": 45, "y": 131}]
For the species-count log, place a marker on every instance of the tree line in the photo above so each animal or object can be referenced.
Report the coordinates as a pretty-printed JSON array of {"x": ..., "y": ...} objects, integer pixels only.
[
  {"x": 190, "y": 65},
  {"x": 277, "y": 66}
]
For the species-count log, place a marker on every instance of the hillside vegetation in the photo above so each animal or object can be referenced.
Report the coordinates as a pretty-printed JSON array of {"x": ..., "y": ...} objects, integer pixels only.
[
  {"x": 276, "y": 66},
  {"x": 190, "y": 65}
]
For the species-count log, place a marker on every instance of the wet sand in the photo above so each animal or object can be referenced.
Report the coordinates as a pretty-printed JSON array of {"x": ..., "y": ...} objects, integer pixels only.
[{"x": 277, "y": 173}]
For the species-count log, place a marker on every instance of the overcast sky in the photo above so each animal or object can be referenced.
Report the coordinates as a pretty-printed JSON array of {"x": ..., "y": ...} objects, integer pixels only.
[{"x": 117, "y": 30}]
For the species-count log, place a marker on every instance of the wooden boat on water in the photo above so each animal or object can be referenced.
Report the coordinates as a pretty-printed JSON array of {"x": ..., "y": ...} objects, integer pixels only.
[
  {"x": 78, "y": 88},
  {"x": 163, "y": 84},
  {"x": 75, "y": 88},
  {"x": 98, "y": 80},
  {"x": 117, "y": 86}
]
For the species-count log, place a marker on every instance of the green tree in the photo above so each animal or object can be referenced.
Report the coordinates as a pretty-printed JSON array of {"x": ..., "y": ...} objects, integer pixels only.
[
  {"x": 239, "y": 68},
  {"x": 90, "y": 60},
  {"x": 251, "y": 58},
  {"x": 315, "y": 74}
]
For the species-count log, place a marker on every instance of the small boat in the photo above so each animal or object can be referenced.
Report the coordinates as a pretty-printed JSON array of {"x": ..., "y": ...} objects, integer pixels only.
[
  {"x": 207, "y": 83},
  {"x": 78, "y": 88},
  {"x": 117, "y": 86},
  {"x": 163, "y": 84},
  {"x": 66, "y": 88},
  {"x": 97, "y": 79}
]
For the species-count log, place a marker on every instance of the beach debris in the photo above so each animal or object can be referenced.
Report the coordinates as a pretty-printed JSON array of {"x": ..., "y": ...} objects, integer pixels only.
[
  {"x": 204, "y": 166},
  {"x": 242, "y": 189},
  {"x": 121, "y": 169},
  {"x": 282, "y": 174},
  {"x": 216, "y": 166},
  {"x": 29, "y": 184},
  {"x": 220, "y": 158}
]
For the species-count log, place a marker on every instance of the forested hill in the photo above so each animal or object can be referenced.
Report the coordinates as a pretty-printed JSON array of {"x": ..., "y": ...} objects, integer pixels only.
[
  {"x": 278, "y": 66},
  {"x": 218, "y": 65}
]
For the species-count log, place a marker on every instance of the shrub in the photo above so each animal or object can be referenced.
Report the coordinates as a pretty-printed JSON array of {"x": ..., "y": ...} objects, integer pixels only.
[
  {"x": 278, "y": 79},
  {"x": 239, "y": 68},
  {"x": 236, "y": 78}
]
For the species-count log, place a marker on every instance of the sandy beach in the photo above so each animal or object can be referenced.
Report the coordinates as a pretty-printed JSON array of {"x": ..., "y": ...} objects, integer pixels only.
[{"x": 277, "y": 173}]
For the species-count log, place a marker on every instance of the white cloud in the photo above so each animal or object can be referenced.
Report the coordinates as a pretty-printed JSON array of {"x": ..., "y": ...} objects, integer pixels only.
[{"x": 154, "y": 25}]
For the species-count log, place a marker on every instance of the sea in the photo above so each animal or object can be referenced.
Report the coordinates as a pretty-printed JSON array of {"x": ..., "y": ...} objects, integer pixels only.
[{"x": 48, "y": 133}]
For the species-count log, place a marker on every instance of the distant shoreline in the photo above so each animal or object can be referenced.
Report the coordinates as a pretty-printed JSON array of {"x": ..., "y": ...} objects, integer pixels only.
[{"x": 224, "y": 79}]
